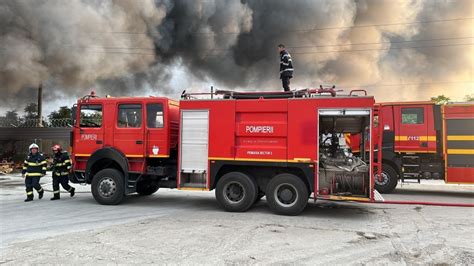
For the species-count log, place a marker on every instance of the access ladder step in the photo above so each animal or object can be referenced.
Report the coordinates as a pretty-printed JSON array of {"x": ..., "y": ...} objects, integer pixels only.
[
  {"x": 411, "y": 174},
  {"x": 193, "y": 185}
]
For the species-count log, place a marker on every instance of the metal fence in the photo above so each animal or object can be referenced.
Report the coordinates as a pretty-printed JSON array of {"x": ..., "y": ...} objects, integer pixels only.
[
  {"x": 28, "y": 123},
  {"x": 35, "y": 133}
]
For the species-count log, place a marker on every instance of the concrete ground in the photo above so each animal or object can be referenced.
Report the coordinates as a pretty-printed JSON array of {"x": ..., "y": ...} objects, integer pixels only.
[{"x": 189, "y": 227}]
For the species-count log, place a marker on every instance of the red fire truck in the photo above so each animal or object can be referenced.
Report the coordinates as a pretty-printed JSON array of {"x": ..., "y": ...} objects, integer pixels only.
[
  {"x": 282, "y": 145},
  {"x": 422, "y": 140}
]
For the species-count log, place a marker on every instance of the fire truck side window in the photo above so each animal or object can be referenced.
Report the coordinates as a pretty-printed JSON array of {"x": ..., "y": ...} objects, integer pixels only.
[
  {"x": 130, "y": 115},
  {"x": 91, "y": 115},
  {"x": 154, "y": 112},
  {"x": 412, "y": 116}
]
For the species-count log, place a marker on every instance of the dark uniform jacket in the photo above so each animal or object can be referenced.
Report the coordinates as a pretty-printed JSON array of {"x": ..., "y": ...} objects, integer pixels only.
[
  {"x": 34, "y": 165},
  {"x": 286, "y": 65},
  {"x": 61, "y": 164}
]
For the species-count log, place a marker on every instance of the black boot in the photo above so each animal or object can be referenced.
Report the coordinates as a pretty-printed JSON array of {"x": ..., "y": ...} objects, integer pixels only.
[
  {"x": 72, "y": 191},
  {"x": 40, "y": 193},
  {"x": 29, "y": 197},
  {"x": 56, "y": 196}
]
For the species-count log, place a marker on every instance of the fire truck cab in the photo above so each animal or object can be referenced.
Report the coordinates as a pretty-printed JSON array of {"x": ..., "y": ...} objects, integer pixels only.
[
  {"x": 286, "y": 146},
  {"x": 135, "y": 139}
]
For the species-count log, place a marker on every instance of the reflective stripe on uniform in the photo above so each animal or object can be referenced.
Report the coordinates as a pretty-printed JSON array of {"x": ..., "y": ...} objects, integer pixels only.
[
  {"x": 35, "y": 164},
  {"x": 63, "y": 163},
  {"x": 288, "y": 69},
  {"x": 44, "y": 168},
  {"x": 63, "y": 173},
  {"x": 24, "y": 167},
  {"x": 34, "y": 174},
  {"x": 41, "y": 189},
  {"x": 29, "y": 193},
  {"x": 56, "y": 191}
]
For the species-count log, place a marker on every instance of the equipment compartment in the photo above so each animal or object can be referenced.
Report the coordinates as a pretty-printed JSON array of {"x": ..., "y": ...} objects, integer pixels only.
[{"x": 341, "y": 173}]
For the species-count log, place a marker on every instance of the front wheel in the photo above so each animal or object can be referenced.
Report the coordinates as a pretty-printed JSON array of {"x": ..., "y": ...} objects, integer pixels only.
[
  {"x": 236, "y": 192},
  {"x": 388, "y": 180},
  {"x": 108, "y": 187},
  {"x": 287, "y": 194}
]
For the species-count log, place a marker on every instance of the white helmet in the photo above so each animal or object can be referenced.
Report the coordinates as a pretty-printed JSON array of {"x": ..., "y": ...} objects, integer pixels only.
[{"x": 33, "y": 146}]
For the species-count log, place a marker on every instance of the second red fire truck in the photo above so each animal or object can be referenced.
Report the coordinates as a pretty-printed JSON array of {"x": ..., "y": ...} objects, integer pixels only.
[
  {"x": 423, "y": 140},
  {"x": 282, "y": 145}
]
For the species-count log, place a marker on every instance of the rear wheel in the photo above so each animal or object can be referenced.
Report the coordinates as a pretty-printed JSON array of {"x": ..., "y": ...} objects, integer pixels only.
[
  {"x": 388, "y": 180},
  {"x": 287, "y": 194},
  {"x": 108, "y": 187},
  {"x": 236, "y": 192},
  {"x": 146, "y": 188}
]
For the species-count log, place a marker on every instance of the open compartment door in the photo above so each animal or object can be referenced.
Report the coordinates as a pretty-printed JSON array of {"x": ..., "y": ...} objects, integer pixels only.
[{"x": 343, "y": 175}]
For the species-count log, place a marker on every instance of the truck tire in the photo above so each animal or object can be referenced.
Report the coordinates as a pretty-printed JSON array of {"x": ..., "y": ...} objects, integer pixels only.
[
  {"x": 146, "y": 188},
  {"x": 108, "y": 187},
  {"x": 389, "y": 179},
  {"x": 236, "y": 192},
  {"x": 287, "y": 194}
]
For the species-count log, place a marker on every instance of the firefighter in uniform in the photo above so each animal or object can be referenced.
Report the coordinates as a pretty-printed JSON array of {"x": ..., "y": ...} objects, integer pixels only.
[
  {"x": 286, "y": 67},
  {"x": 34, "y": 168},
  {"x": 61, "y": 167}
]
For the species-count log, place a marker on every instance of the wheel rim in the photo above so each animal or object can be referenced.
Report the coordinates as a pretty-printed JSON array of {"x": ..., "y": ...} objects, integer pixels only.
[
  {"x": 384, "y": 179},
  {"x": 107, "y": 187},
  {"x": 286, "y": 195},
  {"x": 234, "y": 192}
]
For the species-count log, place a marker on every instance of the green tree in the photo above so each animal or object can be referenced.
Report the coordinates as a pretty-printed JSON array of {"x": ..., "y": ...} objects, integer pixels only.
[
  {"x": 61, "y": 117},
  {"x": 440, "y": 99},
  {"x": 469, "y": 98},
  {"x": 61, "y": 113},
  {"x": 31, "y": 111},
  {"x": 12, "y": 116}
]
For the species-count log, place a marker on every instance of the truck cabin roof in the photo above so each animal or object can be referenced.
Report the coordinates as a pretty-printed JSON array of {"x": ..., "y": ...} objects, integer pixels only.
[{"x": 93, "y": 98}]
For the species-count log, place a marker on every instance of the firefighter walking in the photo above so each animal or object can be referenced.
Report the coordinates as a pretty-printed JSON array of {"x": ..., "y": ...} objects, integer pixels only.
[
  {"x": 286, "y": 67},
  {"x": 61, "y": 167},
  {"x": 34, "y": 168}
]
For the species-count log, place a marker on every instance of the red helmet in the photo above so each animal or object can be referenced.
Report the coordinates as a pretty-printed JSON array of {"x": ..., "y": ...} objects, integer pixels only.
[{"x": 56, "y": 147}]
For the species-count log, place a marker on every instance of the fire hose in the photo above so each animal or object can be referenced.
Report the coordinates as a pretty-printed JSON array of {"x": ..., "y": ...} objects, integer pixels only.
[{"x": 428, "y": 203}]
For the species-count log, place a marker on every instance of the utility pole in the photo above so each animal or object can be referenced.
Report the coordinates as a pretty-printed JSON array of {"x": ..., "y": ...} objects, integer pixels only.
[{"x": 40, "y": 105}]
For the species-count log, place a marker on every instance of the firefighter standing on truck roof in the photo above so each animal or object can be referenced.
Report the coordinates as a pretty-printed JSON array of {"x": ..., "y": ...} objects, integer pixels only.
[
  {"x": 286, "y": 67},
  {"x": 34, "y": 168},
  {"x": 61, "y": 167}
]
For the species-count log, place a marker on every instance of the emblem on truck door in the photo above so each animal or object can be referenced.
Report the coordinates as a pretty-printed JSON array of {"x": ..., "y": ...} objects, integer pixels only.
[{"x": 155, "y": 149}]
